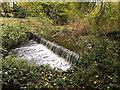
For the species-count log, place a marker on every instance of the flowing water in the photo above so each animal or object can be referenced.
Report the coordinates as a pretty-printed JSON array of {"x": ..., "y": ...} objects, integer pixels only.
[
  {"x": 68, "y": 55},
  {"x": 45, "y": 52},
  {"x": 41, "y": 55}
]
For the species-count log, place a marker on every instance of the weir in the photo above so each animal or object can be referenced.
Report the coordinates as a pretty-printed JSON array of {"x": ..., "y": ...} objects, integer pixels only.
[
  {"x": 68, "y": 55},
  {"x": 43, "y": 51},
  {"x": 37, "y": 53}
]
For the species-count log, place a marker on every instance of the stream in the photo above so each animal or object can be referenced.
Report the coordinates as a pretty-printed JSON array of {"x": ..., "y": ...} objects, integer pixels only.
[{"x": 40, "y": 54}]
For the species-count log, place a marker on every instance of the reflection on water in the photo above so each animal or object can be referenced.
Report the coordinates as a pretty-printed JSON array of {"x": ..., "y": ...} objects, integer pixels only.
[{"x": 62, "y": 41}]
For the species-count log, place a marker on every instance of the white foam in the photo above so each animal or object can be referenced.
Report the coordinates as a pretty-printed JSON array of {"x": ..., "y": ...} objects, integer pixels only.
[{"x": 41, "y": 55}]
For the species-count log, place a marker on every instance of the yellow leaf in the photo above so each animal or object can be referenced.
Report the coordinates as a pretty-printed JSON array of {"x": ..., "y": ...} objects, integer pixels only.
[
  {"x": 51, "y": 75},
  {"x": 54, "y": 83}
]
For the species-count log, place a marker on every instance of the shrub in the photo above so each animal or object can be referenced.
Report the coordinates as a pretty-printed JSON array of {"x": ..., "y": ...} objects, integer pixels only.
[
  {"x": 100, "y": 69},
  {"x": 6, "y": 10},
  {"x": 18, "y": 74},
  {"x": 13, "y": 34},
  {"x": 19, "y": 12}
]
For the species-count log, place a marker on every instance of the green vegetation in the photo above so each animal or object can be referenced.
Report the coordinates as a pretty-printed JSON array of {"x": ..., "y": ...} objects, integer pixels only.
[
  {"x": 99, "y": 69},
  {"x": 13, "y": 34},
  {"x": 92, "y": 27}
]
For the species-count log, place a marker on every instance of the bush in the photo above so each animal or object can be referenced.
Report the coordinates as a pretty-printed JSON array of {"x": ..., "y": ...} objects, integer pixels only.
[
  {"x": 13, "y": 34},
  {"x": 86, "y": 42},
  {"x": 100, "y": 69},
  {"x": 18, "y": 74},
  {"x": 19, "y": 12},
  {"x": 6, "y": 10}
]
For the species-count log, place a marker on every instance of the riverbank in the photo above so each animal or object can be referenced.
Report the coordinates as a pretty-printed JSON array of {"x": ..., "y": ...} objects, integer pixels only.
[{"x": 93, "y": 70}]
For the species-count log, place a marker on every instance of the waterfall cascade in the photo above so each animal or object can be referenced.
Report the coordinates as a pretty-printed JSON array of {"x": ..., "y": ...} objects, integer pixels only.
[
  {"x": 42, "y": 51},
  {"x": 39, "y": 54},
  {"x": 68, "y": 55}
]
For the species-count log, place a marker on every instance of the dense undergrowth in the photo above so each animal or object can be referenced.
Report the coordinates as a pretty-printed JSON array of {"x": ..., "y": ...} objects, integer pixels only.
[
  {"x": 91, "y": 27},
  {"x": 98, "y": 69},
  {"x": 13, "y": 34}
]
